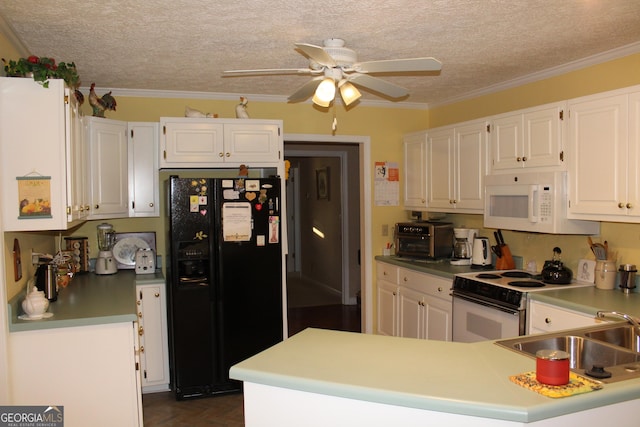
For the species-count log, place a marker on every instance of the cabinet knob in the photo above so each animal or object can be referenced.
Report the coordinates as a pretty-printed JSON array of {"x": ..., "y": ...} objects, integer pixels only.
[
  {"x": 140, "y": 314},
  {"x": 151, "y": 204},
  {"x": 394, "y": 294},
  {"x": 518, "y": 159},
  {"x": 97, "y": 207},
  {"x": 547, "y": 321},
  {"x": 220, "y": 154},
  {"x": 141, "y": 349},
  {"x": 140, "y": 331},
  {"x": 157, "y": 295},
  {"x": 424, "y": 201},
  {"x": 405, "y": 279},
  {"x": 384, "y": 273},
  {"x": 228, "y": 154},
  {"x": 524, "y": 159},
  {"x": 86, "y": 208},
  {"x": 621, "y": 205},
  {"x": 629, "y": 205},
  {"x": 138, "y": 302},
  {"x": 440, "y": 287}
]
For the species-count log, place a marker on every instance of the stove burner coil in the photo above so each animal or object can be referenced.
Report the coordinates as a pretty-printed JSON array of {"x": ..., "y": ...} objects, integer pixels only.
[
  {"x": 526, "y": 284},
  {"x": 488, "y": 276},
  {"x": 517, "y": 274}
]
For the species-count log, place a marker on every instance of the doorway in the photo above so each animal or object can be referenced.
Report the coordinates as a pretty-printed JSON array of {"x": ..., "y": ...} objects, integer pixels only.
[{"x": 325, "y": 212}]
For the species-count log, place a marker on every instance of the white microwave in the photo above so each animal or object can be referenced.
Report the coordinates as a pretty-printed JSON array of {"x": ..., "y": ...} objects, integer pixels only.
[{"x": 531, "y": 201}]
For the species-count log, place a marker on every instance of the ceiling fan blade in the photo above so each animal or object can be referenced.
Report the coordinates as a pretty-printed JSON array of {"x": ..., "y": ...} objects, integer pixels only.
[
  {"x": 317, "y": 54},
  {"x": 378, "y": 85},
  {"x": 269, "y": 71},
  {"x": 398, "y": 65},
  {"x": 305, "y": 91}
]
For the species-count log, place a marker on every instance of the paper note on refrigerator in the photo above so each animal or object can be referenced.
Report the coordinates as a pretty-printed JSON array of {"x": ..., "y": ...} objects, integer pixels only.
[{"x": 236, "y": 221}]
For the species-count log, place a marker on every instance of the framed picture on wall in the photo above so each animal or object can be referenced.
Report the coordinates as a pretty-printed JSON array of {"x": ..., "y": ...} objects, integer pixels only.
[{"x": 322, "y": 183}]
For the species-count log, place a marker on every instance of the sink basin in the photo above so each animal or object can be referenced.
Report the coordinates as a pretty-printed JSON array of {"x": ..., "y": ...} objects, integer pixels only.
[
  {"x": 624, "y": 336},
  {"x": 614, "y": 347}
]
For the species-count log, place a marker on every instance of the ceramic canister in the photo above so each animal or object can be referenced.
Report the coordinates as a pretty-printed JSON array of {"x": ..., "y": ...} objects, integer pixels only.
[{"x": 552, "y": 367}]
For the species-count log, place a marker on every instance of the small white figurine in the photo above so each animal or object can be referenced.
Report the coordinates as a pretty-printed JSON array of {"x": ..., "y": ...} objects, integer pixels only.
[
  {"x": 241, "y": 109},
  {"x": 191, "y": 112}
]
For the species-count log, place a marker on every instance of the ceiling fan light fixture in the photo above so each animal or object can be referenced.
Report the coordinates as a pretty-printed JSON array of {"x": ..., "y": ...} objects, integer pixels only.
[
  {"x": 348, "y": 92},
  {"x": 325, "y": 93}
]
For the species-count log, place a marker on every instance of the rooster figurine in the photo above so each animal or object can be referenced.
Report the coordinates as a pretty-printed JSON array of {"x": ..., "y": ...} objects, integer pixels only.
[
  {"x": 241, "y": 109},
  {"x": 100, "y": 105}
]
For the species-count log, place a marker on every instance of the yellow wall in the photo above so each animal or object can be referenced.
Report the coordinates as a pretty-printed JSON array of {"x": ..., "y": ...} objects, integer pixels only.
[{"x": 385, "y": 127}]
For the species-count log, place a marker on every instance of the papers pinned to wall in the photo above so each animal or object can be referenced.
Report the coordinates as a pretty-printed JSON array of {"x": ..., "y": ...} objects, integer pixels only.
[{"x": 387, "y": 184}]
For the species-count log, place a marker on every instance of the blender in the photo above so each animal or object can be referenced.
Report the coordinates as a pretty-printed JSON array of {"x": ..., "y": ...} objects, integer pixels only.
[
  {"x": 106, "y": 264},
  {"x": 462, "y": 245}
]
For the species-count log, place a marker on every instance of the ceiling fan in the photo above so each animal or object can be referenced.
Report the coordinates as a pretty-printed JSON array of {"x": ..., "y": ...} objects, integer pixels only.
[{"x": 336, "y": 65}]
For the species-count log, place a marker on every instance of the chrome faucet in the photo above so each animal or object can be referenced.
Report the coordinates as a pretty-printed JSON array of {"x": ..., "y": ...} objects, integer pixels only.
[{"x": 624, "y": 316}]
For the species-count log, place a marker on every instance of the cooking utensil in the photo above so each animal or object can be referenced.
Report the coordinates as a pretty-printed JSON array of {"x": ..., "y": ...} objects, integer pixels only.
[
  {"x": 501, "y": 239},
  {"x": 555, "y": 272},
  {"x": 496, "y": 250},
  {"x": 599, "y": 251}
]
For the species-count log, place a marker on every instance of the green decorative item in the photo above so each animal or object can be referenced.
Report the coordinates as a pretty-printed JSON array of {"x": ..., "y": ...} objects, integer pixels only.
[{"x": 42, "y": 69}]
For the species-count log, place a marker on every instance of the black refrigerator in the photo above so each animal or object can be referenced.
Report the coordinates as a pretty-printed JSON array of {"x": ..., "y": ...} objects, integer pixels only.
[{"x": 224, "y": 269}]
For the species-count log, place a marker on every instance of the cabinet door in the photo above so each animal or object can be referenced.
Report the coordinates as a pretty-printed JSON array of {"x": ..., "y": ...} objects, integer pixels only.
[
  {"x": 506, "y": 142},
  {"x": 549, "y": 318},
  {"x": 249, "y": 142},
  {"x": 440, "y": 169},
  {"x": 387, "y": 308},
  {"x": 438, "y": 319},
  {"x": 153, "y": 337},
  {"x": 411, "y": 313},
  {"x": 542, "y": 136},
  {"x": 143, "y": 169},
  {"x": 191, "y": 144},
  {"x": 598, "y": 143},
  {"x": 77, "y": 158},
  {"x": 633, "y": 191},
  {"x": 108, "y": 167},
  {"x": 415, "y": 174},
  {"x": 33, "y": 152},
  {"x": 471, "y": 166}
]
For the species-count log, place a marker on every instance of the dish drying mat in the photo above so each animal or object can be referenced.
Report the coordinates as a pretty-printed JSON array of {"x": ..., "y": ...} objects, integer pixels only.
[{"x": 577, "y": 385}]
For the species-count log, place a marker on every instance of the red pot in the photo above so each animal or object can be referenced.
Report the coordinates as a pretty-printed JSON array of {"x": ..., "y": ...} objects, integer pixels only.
[{"x": 552, "y": 367}]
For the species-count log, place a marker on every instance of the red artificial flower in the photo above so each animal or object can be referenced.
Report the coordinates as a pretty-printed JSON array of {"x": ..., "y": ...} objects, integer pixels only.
[{"x": 33, "y": 59}]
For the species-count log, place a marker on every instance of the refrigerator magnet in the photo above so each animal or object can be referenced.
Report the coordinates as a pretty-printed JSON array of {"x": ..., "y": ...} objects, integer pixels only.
[
  {"x": 230, "y": 194},
  {"x": 274, "y": 229},
  {"x": 227, "y": 183},
  {"x": 252, "y": 184},
  {"x": 194, "y": 206},
  {"x": 260, "y": 240}
]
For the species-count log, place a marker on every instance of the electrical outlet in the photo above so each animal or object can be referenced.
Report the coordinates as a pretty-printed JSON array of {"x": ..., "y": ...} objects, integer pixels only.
[{"x": 385, "y": 229}]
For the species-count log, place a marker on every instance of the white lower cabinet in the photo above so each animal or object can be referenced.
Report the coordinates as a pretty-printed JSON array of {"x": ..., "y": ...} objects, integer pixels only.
[
  {"x": 413, "y": 304},
  {"x": 154, "y": 352},
  {"x": 387, "y": 280},
  {"x": 544, "y": 317},
  {"x": 89, "y": 370}
]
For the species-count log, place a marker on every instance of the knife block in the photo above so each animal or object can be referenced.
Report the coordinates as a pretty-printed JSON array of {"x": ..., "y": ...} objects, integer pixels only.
[{"x": 505, "y": 262}]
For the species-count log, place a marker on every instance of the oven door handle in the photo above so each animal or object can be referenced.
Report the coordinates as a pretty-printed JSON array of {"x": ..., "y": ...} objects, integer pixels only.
[{"x": 484, "y": 303}]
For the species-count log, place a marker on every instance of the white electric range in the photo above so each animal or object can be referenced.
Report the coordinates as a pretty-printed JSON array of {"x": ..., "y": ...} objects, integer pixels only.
[{"x": 491, "y": 305}]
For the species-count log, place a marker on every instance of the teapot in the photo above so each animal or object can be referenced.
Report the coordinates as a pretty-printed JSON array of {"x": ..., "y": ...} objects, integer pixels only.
[
  {"x": 35, "y": 303},
  {"x": 554, "y": 271}
]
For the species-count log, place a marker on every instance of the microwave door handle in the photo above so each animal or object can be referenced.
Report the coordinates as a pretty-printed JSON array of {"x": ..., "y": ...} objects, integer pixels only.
[{"x": 533, "y": 205}]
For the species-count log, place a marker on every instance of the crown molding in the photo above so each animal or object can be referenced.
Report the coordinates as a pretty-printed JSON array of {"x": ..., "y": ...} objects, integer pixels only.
[
  {"x": 599, "y": 58},
  {"x": 218, "y": 96}
]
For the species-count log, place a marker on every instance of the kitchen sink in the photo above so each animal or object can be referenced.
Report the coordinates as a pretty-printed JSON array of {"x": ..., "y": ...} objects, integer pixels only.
[
  {"x": 624, "y": 336},
  {"x": 614, "y": 348}
]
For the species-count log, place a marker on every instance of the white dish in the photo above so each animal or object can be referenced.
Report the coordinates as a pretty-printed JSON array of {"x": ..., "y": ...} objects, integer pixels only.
[
  {"x": 124, "y": 250},
  {"x": 37, "y": 317}
]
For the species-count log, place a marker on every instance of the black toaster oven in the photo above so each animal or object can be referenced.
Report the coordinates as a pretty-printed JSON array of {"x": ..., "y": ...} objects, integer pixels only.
[{"x": 424, "y": 239}]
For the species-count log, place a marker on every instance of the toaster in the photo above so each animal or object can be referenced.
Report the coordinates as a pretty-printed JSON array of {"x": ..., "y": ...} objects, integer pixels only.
[{"x": 145, "y": 261}]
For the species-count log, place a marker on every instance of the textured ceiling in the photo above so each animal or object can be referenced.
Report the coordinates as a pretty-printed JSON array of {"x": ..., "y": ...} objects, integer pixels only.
[{"x": 185, "y": 45}]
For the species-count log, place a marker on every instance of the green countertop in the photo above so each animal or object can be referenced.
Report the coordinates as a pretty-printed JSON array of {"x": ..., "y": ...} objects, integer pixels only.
[
  {"x": 460, "y": 378},
  {"x": 436, "y": 267},
  {"x": 89, "y": 299}
]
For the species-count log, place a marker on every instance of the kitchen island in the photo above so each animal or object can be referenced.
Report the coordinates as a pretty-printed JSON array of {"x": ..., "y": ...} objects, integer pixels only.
[
  {"x": 320, "y": 377},
  {"x": 84, "y": 357}
]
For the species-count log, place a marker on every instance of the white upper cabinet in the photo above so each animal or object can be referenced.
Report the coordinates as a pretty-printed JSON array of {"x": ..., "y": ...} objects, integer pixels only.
[
  {"x": 456, "y": 167},
  {"x": 529, "y": 138},
  {"x": 144, "y": 192},
  {"x": 193, "y": 143},
  {"x": 106, "y": 141},
  {"x": 415, "y": 174},
  {"x": 39, "y": 133},
  {"x": 604, "y": 140}
]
